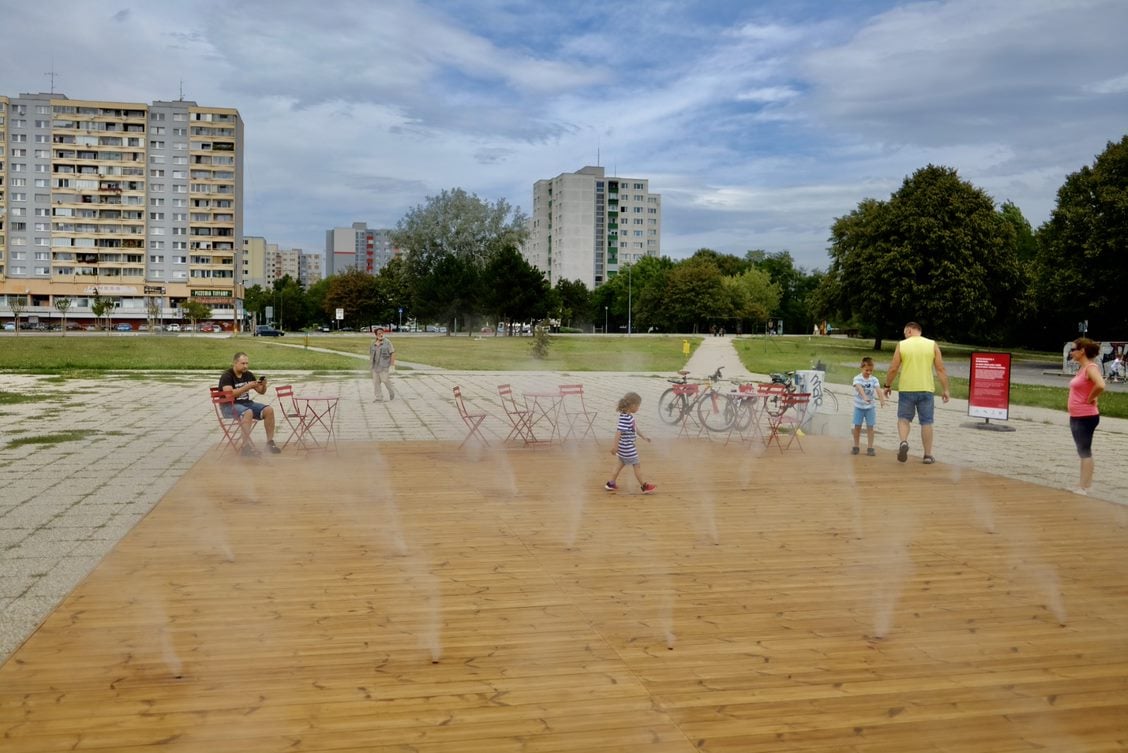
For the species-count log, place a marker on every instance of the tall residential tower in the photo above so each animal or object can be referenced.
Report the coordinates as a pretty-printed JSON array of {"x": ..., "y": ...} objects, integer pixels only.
[
  {"x": 140, "y": 203},
  {"x": 586, "y": 226}
]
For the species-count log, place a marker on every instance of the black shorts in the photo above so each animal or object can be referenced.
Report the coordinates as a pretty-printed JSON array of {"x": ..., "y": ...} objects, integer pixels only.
[{"x": 1082, "y": 428}]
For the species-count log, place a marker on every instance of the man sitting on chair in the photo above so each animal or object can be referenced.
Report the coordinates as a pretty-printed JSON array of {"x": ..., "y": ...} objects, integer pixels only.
[{"x": 238, "y": 381}]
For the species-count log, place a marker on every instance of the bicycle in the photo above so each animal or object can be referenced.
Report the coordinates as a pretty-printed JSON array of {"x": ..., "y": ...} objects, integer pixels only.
[{"x": 679, "y": 401}]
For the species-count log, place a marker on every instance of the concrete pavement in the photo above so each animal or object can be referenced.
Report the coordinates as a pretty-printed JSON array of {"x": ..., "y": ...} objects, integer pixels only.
[{"x": 86, "y": 459}]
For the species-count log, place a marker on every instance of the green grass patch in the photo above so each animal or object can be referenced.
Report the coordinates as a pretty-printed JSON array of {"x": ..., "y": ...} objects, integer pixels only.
[
  {"x": 571, "y": 353},
  {"x": 80, "y": 356},
  {"x": 12, "y": 398},
  {"x": 57, "y": 438}
]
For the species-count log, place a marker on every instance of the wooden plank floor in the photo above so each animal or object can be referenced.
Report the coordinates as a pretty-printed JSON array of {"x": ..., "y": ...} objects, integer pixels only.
[{"x": 414, "y": 597}]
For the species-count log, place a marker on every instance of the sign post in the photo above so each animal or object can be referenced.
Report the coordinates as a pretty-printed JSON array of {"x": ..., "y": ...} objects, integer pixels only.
[{"x": 989, "y": 390}]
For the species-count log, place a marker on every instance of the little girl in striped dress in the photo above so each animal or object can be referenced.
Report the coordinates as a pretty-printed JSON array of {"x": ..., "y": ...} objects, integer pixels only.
[{"x": 624, "y": 446}]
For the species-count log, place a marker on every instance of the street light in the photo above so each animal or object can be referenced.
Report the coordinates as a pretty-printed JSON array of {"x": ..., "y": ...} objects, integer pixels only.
[
  {"x": 628, "y": 300},
  {"x": 605, "y": 320}
]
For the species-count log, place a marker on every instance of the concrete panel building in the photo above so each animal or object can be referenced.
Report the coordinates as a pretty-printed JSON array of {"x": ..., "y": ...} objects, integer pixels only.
[
  {"x": 358, "y": 247},
  {"x": 141, "y": 203},
  {"x": 586, "y": 226}
]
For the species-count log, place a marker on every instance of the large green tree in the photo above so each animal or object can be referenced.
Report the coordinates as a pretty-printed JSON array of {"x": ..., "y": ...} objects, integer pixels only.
[
  {"x": 356, "y": 292},
  {"x": 936, "y": 252},
  {"x": 1082, "y": 263},
  {"x": 517, "y": 291},
  {"x": 447, "y": 242}
]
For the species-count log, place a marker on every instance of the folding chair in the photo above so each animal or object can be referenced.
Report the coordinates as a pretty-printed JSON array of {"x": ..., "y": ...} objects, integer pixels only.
[
  {"x": 793, "y": 410},
  {"x": 229, "y": 422},
  {"x": 581, "y": 415},
  {"x": 472, "y": 420},
  {"x": 689, "y": 392},
  {"x": 520, "y": 419},
  {"x": 295, "y": 418}
]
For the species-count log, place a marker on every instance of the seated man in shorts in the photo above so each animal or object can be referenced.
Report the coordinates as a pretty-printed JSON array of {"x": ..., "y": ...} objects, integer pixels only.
[{"x": 239, "y": 382}]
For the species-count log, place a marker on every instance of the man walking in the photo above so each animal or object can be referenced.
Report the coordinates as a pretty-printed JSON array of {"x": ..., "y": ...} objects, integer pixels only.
[
  {"x": 382, "y": 361},
  {"x": 915, "y": 358}
]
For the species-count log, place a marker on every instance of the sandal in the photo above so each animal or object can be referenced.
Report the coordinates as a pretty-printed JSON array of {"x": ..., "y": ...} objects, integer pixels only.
[{"x": 929, "y": 460}]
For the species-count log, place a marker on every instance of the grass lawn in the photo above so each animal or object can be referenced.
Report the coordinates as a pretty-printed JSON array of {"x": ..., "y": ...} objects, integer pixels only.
[
  {"x": 58, "y": 354},
  {"x": 568, "y": 353}
]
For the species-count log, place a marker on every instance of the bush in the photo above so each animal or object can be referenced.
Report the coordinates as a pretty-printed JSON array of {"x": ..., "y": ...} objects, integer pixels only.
[{"x": 540, "y": 342}]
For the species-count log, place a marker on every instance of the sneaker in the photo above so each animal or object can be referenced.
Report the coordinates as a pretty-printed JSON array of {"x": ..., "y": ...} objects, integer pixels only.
[
  {"x": 611, "y": 486},
  {"x": 1082, "y": 491},
  {"x": 903, "y": 452},
  {"x": 870, "y": 452},
  {"x": 274, "y": 449},
  {"x": 648, "y": 488},
  {"x": 854, "y": 450}
]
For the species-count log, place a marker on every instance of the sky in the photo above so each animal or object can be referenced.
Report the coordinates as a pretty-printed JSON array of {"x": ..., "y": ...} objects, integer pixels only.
[{"x": 759, "y": 122}]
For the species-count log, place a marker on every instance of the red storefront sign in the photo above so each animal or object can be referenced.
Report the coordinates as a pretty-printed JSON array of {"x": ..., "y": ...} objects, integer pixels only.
[{"x": 989, "y": 389}]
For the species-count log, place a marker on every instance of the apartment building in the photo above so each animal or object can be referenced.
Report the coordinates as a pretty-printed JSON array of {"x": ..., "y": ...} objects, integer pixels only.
[
  {"x": 139, "y": 203},
  {"x": 263, "y": 263},
  {"x": 358, "y": 247},
  {"x": 587, "y": 226}
]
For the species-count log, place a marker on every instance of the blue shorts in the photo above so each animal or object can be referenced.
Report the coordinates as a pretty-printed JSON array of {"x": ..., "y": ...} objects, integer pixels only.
[
  {"x": 868, "y": 415},
  {"x": 242, "y": 406},
  {"x": 920, "y": 404}
]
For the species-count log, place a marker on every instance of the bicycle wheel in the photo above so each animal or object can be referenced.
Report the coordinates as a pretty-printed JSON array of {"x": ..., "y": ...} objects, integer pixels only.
[
  {"x": 672, "y": 407},
  {"x": 829, "y": 402},
  {"x": 716, "y": 412}
]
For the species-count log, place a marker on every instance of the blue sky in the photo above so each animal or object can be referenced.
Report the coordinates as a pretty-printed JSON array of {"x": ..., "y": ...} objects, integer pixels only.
[{"x": 758, "y": 122}]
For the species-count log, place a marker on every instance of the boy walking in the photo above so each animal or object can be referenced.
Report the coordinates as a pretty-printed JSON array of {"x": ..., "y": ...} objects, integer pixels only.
[{"x": 867, "y": 389}]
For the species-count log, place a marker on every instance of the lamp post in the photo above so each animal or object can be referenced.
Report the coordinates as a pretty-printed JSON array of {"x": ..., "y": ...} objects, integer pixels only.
[
  {"x": 605, "y": 320},
  {"x": 628, "y": 301}
]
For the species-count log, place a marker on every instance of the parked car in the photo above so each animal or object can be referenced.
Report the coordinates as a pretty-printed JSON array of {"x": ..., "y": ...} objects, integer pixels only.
[
  {"x": 10, "y": 326},
  {"x": 207, "y": 327},
  {"x": 265, "y": 330},
  {"x": 174, "y": 327},
  {"x": 123, "y": 327}
]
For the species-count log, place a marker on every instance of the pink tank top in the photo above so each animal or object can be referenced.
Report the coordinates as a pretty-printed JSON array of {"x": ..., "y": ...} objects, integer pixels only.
[{"x": 1079, "y": 389}]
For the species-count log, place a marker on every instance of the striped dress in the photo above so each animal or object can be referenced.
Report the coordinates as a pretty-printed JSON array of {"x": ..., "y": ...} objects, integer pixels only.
[{"x": 628, "y": 452}]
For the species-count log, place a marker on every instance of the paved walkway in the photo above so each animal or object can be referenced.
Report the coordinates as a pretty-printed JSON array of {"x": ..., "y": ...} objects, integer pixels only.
[{"x": 118, "y": 444}]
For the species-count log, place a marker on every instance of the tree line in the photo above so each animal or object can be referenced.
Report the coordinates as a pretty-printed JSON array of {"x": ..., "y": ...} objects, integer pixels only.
[{"x": 937, "y": 251}]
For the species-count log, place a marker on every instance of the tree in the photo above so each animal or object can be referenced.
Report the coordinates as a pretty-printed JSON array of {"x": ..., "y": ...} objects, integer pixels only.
[
  {"x": 18, "y": 308},
  {"x": 196, "y": 311},
  {"x": 574, "y": 303},
  {"x": 517, "y": 291},
  {"x": 356, "y": 292},
  {"x": 794, "y": 286},
  {"x": 454, "y": 233},
  {"x": 937, "y": 252},
  {"x": 99, "y": 306},
  {"x": 1081, "y": 267},
  {"x": 62, "y": 305}
]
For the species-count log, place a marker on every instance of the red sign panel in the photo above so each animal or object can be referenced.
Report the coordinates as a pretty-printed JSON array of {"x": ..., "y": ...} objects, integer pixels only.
[{"x": 989, "y": 389}]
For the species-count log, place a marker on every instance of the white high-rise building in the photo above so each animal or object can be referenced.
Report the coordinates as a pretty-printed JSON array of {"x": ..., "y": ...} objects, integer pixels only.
[{"x": 586, "y": 226}]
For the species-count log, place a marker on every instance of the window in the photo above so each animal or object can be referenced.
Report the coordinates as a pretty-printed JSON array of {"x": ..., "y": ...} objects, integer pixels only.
[
  {"x": 19, "y": 152},
  {"x": 156, "y": 215},
  {"x": 155, "y": 246},
  {"x": 156, "y": 173},
  {"x": 155, "y": 258}
]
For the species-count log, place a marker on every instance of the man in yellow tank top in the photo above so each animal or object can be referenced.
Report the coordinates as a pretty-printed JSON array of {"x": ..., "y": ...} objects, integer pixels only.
[{"x": 915, "y": 358}]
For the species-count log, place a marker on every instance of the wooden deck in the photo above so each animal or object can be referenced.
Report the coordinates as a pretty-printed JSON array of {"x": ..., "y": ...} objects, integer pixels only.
[{"x": 413, "y": 597}]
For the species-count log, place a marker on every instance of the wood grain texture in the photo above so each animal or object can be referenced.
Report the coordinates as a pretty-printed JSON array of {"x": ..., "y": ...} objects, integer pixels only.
[{"x": 804, "y": 601}]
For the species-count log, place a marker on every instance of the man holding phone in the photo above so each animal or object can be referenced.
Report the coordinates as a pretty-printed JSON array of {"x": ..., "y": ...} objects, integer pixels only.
[{"x": 239, "y": 382}]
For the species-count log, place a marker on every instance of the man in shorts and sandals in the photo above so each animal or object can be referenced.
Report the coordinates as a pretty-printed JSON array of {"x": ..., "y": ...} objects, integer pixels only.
[{"x": 915, "y": 359}]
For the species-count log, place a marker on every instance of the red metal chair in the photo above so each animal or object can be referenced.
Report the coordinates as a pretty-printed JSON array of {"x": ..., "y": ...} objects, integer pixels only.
[
  {"x": 520, "y": 419},
  {"x": 295, "y": 418},
  {"x": 472, "y": 420},
  {"x": 229, "y": 422},
  {"x": 576, "y": 415},
  {"x": 689, "y": 392},
  {"x": 749, "y": 411},
  {"x": 793, "y": 410}
]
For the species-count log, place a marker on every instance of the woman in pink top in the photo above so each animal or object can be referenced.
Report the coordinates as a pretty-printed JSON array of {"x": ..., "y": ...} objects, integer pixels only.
[{"x": 1083, "y": 414}]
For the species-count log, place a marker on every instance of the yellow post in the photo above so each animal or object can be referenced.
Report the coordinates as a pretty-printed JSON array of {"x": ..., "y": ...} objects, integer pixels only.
[{"x": 685, "y": 348}]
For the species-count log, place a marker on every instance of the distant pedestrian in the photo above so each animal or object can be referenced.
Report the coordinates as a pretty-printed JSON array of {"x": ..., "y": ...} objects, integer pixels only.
[
  {"x": 867, "y": 391},
  {"x": 1084, "y": 389},
  {"x": 382, "y": 361},
  {"x": 917, "y": 357},
  {"x": 624, "y": 446}
]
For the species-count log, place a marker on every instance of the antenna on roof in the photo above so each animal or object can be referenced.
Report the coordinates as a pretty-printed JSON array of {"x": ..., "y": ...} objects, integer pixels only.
[
  {"x": 52, "y": 75},
  {"x": 597, "y": 151},
  {"x": 181, "y": 90}
]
